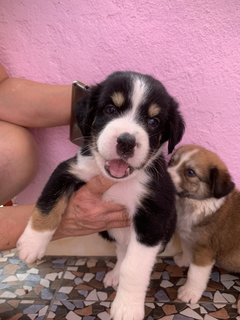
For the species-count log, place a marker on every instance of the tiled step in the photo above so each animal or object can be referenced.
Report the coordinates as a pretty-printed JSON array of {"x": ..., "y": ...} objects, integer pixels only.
[{"x": 72, "y": 288}]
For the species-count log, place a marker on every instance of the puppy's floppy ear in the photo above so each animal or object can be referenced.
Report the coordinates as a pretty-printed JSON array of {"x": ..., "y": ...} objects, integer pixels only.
[
  {"x": 221, "y": 182},
  {"x": 175, "y": 126},
  {"x": 85, "y": 110}
]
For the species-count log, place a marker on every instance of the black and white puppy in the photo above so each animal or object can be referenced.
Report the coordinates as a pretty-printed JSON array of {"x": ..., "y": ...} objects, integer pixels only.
[{"x": 125, "y": 121}]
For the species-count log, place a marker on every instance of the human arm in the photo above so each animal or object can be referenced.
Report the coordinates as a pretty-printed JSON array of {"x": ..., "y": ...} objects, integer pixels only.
[
  {"x": 86, "y": 213},
  {"x": 32, "y": 104}
]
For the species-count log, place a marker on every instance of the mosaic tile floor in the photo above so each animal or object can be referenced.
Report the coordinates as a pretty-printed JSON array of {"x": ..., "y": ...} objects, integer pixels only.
[{"x": 72, "y": 288}]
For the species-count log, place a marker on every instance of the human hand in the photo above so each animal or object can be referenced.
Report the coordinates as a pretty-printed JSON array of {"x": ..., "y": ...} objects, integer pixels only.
[{"x": 87, "y": 213}]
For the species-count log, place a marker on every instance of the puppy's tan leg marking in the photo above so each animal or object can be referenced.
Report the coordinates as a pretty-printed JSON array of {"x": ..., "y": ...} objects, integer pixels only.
[
  {"x": 50, "y": 221},
  {"x": 39, "y": 231},
  {"x": 203, "y": 255}
]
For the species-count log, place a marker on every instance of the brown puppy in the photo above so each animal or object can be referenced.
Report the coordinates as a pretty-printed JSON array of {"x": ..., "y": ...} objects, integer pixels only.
[{"x": 208, "y": 207}]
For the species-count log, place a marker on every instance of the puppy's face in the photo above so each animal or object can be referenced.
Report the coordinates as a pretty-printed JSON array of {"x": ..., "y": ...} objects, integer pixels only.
[
  {"x": 198, "y": 173},
  {"x": 127, "y": 118}
]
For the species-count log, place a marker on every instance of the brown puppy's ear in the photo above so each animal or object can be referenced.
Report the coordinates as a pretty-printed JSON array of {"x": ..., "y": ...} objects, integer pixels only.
[{"x": 221, "y": 182}]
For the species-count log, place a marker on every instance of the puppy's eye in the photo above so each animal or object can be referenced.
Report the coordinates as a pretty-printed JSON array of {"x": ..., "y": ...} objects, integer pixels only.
[
  {"x": 153, "y": 123},
  {"x": 110, "y": 109},
  {"x": 190, "y": 173}
]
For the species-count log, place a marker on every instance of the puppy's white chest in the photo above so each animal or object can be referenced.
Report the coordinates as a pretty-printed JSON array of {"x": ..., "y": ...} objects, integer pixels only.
[
  {"x": 85, "y": 168},
  {"x": 128, "y": 192}
]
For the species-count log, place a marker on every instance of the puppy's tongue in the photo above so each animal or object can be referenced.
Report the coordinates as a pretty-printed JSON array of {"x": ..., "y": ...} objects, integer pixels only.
[{"x": 117, "y": 168}]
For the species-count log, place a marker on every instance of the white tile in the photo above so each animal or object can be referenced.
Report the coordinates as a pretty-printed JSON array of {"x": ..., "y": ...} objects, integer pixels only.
[
  {"x": 207, "y": 317},
  {"x": 228, "y": 284},
  {"x": 66, "y": 290},
  {"x": 51, "y": 276},
  {"x": 8, "y": 294},
  {"x": 45, "y": 283},
  {"x": 10, "y": 279},
  {"x": 72, "y": 316},
  {"x": 218, "y": 298},
  {"x": 81, "y": 262},
  {"x": 20, "y": 292},
  {"x": 104, "y": 316},
  {"x": 191, "y": 314},
  {"x": 72, "y": 268},
  {"x": 102, "y": 295},
  {"x": 21, "y": 276},
  {"x": 33, "y": 271},
  {"x": 228, "y": 277},
  {"x": 69, "y": 275},
  {"x": 92, "y": 296},
  {"x": 88, "y": 277},
  {"x": 27, "y": 301},
  {"x": 43, "y": 311},
  {"x": 166, "y": 284},
  {"x": 230, "y": 298}
]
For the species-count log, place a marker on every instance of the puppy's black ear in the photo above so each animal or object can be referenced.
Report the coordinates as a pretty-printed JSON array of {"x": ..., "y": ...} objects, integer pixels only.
[
  {"x": 176, "y": 126},
  {"x": 221, "y": 183},
  {"x": 85, "y": 110}
]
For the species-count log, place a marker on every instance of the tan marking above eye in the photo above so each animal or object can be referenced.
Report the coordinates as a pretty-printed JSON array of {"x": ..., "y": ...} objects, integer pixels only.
[
  {"x": 153, "y": 110},
  {"x": 118, "y": 99}
]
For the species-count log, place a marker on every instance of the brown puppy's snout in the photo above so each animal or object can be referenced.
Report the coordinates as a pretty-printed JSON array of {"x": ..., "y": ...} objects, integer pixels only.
[{"x": 126, "y": 143}]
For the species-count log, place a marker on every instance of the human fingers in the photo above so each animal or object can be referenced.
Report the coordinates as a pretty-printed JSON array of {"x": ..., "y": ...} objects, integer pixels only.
[
  {"x": 117, "y": 219},
  {"x": 99, "y": 184}
]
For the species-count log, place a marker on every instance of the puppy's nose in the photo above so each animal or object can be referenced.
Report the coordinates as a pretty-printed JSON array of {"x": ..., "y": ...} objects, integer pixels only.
[{"x": 125, "y": 145}]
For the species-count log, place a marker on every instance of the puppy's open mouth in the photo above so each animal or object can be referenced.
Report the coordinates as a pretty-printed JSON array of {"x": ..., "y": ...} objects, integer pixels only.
[{"x": 118, "y": 168}]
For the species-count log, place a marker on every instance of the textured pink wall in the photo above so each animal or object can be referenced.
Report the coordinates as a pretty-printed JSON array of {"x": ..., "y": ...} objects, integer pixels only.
[{"x": 192, "y": 46}]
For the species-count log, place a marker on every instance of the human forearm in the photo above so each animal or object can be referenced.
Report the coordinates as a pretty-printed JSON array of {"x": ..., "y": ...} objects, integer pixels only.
[{"x": 32, "y": 104}]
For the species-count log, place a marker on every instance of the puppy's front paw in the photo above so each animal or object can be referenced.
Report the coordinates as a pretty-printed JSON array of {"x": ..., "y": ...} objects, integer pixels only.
[
  {"x": 124, "y": 308},
  {"x": 32, "y": 244},
  {"x": 189, "y": 294},
  {"x": 181, "y": 260},
  {"x": 111, "y": 279}
]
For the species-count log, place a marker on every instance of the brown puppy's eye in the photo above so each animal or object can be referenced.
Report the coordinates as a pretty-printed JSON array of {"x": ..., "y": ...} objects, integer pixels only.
[{"x": 190, "y": 173}]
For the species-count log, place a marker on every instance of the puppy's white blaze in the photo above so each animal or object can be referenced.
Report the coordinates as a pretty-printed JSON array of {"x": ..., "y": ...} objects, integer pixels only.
[
  {"x": 138, "y": 94},
  {"x": 107, "y": 140},
  {"x": 32, "y": 244},
  {"x": 173, "y": 171},
  {"x": 197, "y": 280}
]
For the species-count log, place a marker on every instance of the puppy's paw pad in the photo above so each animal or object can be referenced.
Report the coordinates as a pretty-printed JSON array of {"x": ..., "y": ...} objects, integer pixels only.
[
  {"x": 111, "y": 279},
  {"x": 126, "y": 310},
  {"x": 189, "y": 294},
  {"x": 181, "y": 260}
]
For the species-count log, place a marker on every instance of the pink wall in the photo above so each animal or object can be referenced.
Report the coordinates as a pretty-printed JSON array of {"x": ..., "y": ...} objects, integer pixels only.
[{"x": 192, "y": 46}]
